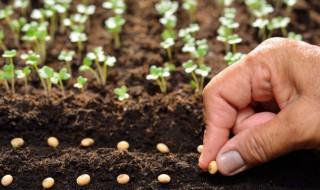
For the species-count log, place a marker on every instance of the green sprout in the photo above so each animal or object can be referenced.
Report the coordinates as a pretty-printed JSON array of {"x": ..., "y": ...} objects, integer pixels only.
[
  {"x": 167, "y": 45},
  {"x": 294, "y": 36},
  {"x": 33, "y": 59},
  {"x": 167, "y": 7},
  {"x": 79, "y": 38},
  {"x": 62, "y": 7},
  {"x": 224, "y": 3},
  {"x": 262, "y": 25},
  {"x": 36, "y": 34},
  {"x": 232, "y": 58},
  {"x": 191, "y": 7},
  {"x": 16, "y": 26},
  {"x": 67, "y": 57},
  {"x": 81, "y": 83},
  {"x": 189, "y": 33},
  {"x": 290, "y": 4},
  {"x": 101, "y": 62},
  {"x": 23, "y": 5},
  {"x": 259, "y": 8},
  {"x": 4, "y": 81},
  {"x": 278, "y": 23},
  {"x": 159, "y": 74},
  {"x": 24, "y": 74},
  {"x": 114, "y": 26},
  {"x": 59, "y": 77},
  {"x": 2, "y": 44},
  {"x": 8, "y": 69},
  {"x": 46, "y": 73},
  {"x": 76, "y": 22},
  {"x": 198, "y": 50},
  {"x": 198, "y": 74},
  {"x": 122, "y": 93},
  {"x": 118, "y": 6},
  {"x": 6, "y": 13},
  {"x": 47, "y": 13},
  {"x": 86, "y": 9},
  {"x": 169, "y": 22}
]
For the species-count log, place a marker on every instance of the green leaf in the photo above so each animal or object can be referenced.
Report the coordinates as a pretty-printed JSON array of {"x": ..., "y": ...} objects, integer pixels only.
[
  {"x": 63, "y": 74},
  {"x": 122, "y": 93},
  {"x": 9, "y": 54}
]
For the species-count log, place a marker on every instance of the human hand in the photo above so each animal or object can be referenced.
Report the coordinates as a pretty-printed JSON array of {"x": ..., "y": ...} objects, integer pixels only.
[{"x": 282, "y": 71}]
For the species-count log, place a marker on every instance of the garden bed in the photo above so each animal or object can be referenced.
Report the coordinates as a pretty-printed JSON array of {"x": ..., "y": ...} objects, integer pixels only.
[{"x": 144, "y": 120}]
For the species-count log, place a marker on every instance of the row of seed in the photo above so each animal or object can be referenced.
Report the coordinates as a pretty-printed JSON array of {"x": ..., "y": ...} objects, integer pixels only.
[
  {"x": 86, "y": 142},
  {"x": 85, "y": 179},
  {"x": 82, "y": 180}
]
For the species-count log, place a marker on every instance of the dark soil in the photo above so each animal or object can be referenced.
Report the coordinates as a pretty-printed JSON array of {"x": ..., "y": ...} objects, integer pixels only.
[{"x": 145, "y": 120}]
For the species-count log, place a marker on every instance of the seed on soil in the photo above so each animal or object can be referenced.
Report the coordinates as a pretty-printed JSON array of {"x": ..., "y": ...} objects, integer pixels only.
[
  {"x": 163, "y": 148},
  {"x": 164, "y": 178},
  {"x": 200, "y": 148},
  {"x": 123, "y": 179},
  {"x": 86, "y": 142},
  {"x": 6, "y": 180},
  {"x": 213, "y": 167},
  {"x": 17, "y": 142},
  {"x": 53, "y": 142},
  {"x": 48, "y": 183},
  {"x": 123, "y": 146},
  {"x": 83, "y": 180}
]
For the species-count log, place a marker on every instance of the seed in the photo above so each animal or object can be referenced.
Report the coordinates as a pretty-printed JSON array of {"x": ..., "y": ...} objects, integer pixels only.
[
  {"x": 53, "y": 142},
  {"x": 163, "y": 148},
  {"x": 17, "y": 142},
  {"x": 213, "y": 168},
  {"x": 123, "y": 179},
  {"x": 83, "y": 180},
  {"x": 48, "y": 183},
  {"x": 123, "y": 146},
  {"x": 164, "y": 178},
  {"x": 200, "y": 148},
  {"x": 6, "y": 180},
  {"x": 86, "y": 142}
]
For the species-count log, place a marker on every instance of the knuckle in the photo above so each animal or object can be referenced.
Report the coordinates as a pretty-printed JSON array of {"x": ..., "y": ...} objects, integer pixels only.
[{"x": 257, "y": 150}]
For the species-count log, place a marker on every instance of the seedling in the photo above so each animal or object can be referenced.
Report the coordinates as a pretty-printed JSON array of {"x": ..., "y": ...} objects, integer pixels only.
[
  {"x": 83, "y": 180},
  {"x": 23, "y": 5},
  {"x": 86, "y": 9},
  {"x": 101, "y": 62},
  {"x": 164, "y": 178},
  {"x": 6, "y": 13},
  {"x": 46, "y": 73},
  {"x": 81, "y": 83},
  {"x": 188, "y": 34},
  {"x": 167, "y": 7},
  {"x": 62, "y": 9},
  {"x": 232, "y": 58},
  {"x": 79, "y": 38},
  {"x": 76, "y": 22},
  {"x": 159, "y": 74},
  {"x": 169, "y": 22},
  {"x": 123, "y": 179},
  {"x": 167, "y": 45},
  {"x": 2, "y": 44},
  {"x": 67, "y": 57},
  {"x": 24, "y": 74},
  {"x": 118, "y": 6},
  {"x": 279, "y": 23},
  {"x": 8, "y": 69},
  {"x": 16, "y": 26},
  {"x": 114, "y": 26},
  {"x": 198, "y": 74},
  {"x": 36, "y": 34},
  {"x": 58, "y": 79},
  {"x": 259, "y": 8},
  {"x": 122, "y": 93},
  {"x": 224, "y": 3},
  {"x": 48, "y": 183},
  {"x": 33, "y": 59},
  {"x": 123, "y": 146},
  {"x": 262, "y": 25},
  {"x": 191, "y": 7},
  {"x": 163, "y": 148},
  {"x": 294, "y": 36},
  {"x": 6, "y": 180},
  {"x": 198, "y": 50}
]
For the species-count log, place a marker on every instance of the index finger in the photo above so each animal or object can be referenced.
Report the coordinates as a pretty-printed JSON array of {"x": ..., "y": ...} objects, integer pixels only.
[{"x": 226, "y": 93}]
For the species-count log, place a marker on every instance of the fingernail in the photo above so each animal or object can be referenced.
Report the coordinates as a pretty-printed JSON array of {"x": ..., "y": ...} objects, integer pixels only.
[{"x": 231, "y": 163}]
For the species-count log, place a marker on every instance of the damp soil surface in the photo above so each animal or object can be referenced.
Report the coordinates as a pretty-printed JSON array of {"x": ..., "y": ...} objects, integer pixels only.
[{"x": 144, "y": 120}]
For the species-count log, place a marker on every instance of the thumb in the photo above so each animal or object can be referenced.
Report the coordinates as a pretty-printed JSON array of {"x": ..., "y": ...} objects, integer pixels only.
[{"x": 256, "y": 145}]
